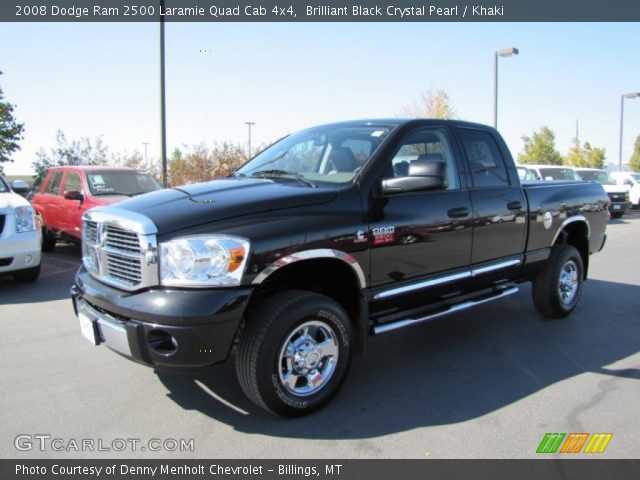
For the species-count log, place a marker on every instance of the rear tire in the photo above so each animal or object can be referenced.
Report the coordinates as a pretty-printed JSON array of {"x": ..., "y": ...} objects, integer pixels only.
[
  {"x": 48, "y": 240},
  {"x": 557, "y": 288},
  {"x": 28, "y": 275},
  {"x": 295, "y": 353}
]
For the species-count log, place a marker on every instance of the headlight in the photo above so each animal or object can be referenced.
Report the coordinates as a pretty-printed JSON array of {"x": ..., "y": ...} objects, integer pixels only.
[
  {"x": 203, "y": 261},
  {"x": 25, "y": 219}
]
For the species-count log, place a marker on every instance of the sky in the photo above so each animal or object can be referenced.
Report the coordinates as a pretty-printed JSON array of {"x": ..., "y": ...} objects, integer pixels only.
[{"x": 102, "y": 79}]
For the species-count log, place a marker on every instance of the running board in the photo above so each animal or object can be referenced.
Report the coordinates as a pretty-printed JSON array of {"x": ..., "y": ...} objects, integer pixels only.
[{"x": 452, "y": 309}]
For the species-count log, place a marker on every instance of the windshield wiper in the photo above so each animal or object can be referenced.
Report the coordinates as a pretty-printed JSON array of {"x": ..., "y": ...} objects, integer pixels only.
[{"x": 278, "y": 173}]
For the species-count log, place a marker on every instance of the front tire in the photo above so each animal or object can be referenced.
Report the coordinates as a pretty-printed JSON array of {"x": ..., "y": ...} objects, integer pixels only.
[
  {"x": 557, "y": 288},
  {"x": 295, "y": 353}
]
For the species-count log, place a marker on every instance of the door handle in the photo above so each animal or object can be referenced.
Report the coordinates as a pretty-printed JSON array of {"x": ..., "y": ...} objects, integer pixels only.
[
  {"x": 517, "y": 205},
  {"x": 458, "y": 212}
]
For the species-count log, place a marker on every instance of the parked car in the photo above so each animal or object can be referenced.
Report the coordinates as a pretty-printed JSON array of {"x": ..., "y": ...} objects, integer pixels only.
[
  {"x": 631, "y": 180},
  {"x": 553, "y": 172},
  {"x": 20, "y": 238},
  {"x": 618, "y": 194},
  {"x": 295, "y": 260},
  {"x": 67, "y": 192},
  {"x": 525, "y": 174}
]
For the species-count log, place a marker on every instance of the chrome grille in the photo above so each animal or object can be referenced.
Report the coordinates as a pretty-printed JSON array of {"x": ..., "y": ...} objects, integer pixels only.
[
  {"x": 121, "y": 239},
  {"x": 91, "y": 231},
  {"x": 123, "y": 268},
  {"x": 117, "y": 250}
]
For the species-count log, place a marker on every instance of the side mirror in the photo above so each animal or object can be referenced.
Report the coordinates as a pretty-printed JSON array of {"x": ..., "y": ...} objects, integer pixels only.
[
  {"x": 73, "y": 195},
  {"x": 19, "y": 186},
  {"x": 423, "y": 175}
]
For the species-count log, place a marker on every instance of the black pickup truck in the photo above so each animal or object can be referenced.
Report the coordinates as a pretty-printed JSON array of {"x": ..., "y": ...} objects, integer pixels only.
[{"x": 329, "y": 236}]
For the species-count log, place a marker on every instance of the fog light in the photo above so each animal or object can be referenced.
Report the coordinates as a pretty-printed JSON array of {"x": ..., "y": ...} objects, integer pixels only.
[
  {"x": 161, "y": 342},
  {"x": 28, "y": 259}
]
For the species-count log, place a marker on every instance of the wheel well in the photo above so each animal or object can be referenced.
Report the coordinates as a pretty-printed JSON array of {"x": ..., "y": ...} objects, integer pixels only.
[
  {"x": 576, "y": 234},
  {"x": 331, "y": 277}
]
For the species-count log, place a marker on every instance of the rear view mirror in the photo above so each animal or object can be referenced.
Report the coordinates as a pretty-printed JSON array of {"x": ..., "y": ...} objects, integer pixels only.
[
  {"x": 19, "y": 186},
  {"x": 423, "y": 175}
]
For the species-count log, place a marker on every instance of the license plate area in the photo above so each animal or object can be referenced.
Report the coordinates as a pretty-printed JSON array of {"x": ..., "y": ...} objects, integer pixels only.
[
  {"x": 88, "y": 327},
  {"x": 617, "y": 207}
]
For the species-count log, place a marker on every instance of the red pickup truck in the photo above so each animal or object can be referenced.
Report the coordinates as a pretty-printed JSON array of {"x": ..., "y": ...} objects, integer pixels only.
[{"x": 67, "y": 192}]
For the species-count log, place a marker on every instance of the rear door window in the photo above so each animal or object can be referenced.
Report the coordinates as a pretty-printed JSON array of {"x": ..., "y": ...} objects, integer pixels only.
[{"x": 488, "y": 168}]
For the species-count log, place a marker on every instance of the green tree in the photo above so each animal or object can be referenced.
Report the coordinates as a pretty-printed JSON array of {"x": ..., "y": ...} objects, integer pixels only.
[
  {"x": 74, "y": 152},
  {"x": 432, "y": 104},
  {"x": 540, "y": 148},
  {"x": 11, "y": 132},
  {"x": 576, "y": 156},
  {"x": 634, "y": 161},
  {"x": 594, "y": 156}
]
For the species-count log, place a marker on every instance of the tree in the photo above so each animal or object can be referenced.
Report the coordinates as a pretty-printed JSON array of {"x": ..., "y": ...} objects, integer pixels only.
[
  {"x": 432, "y": 104},
  {"x": 540, "y": 148},
  {"x": 594, "y": 156},
  {"x": 75, "y": 152},
  {"x": 202, "y": 164},
  {"x": 11, "y": 132},
  {"x": 576, "y": 156},
  {"x": 634, "y": 161}
]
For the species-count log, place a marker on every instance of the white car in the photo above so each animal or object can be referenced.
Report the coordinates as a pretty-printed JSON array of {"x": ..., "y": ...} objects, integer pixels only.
[
  {"x": 618, "y": 194},
  {"x": 20, "y": 236},
  {"x": 552, "y": 172},
  {"x": 631, "y": 180}
]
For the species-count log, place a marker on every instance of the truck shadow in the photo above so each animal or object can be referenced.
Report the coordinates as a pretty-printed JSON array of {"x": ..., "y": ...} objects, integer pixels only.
[
  {"x": 56, "y": 277},
  {"x": 448, "y": 371}
]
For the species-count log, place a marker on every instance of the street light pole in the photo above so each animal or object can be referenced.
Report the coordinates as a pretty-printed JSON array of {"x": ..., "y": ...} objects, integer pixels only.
[
  {"x": 249, "y": 125},
  {"x": 507, "y": 52},
  {"x": 146, "y": 144},
  {"x": 163, "y": 107},
  {"x": 622, "y": 97}
]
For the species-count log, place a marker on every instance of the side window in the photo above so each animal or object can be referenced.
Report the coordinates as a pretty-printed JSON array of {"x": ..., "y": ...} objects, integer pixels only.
[
  {"x": 487, "y": 165},
  {"x": 427, "y": 145},
  {"x": 72, "y": 182},
  {"x": 54, "y": 183}
]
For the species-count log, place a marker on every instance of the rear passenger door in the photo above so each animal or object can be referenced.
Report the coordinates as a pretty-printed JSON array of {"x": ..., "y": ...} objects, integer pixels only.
[
  {"x": 52, "y": 201},
  {"x": 499, "y": 205}
]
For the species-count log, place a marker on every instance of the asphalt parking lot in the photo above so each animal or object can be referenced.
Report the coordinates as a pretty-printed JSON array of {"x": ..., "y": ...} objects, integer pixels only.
[{"x": 488, "y": 383}]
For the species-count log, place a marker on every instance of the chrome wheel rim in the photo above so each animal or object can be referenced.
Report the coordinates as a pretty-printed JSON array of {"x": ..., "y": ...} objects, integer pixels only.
[
  {"x": 568, "y": 283},
  {"x": 308, "y": 358}
]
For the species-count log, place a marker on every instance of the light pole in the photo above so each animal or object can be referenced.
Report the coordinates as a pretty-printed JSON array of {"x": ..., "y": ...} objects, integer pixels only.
[
  {"x": 146, "y": 144},
  {"x": 622, "y": 97},
  {"x": 249, "y": 125},
  {"x": 163, "y": 106},
  {"x": 506, "y": 52}
]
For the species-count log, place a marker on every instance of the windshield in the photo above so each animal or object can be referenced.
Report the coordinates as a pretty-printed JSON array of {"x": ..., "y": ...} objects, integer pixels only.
[
  {"x": 4, "y": 188},
  {"x": 597, "y": 175},
  {"x": 120, "y": 182},
  {"x": 557, "y": 174},
  {"x": 636, "y": 176},
  {"x": 324, "y": 154}
]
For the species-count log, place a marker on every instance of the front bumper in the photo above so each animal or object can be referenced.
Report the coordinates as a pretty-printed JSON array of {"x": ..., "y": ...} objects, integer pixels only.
[
  {"x": 19, "y": 251},
  {"x": 169, "y": 329}
]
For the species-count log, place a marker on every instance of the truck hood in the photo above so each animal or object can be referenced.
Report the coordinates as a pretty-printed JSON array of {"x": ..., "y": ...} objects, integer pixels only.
[
  {"x": 615, "y": 188},
  {"x": 9, "y": 201},
  {"x": 192, "y": 205}
]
